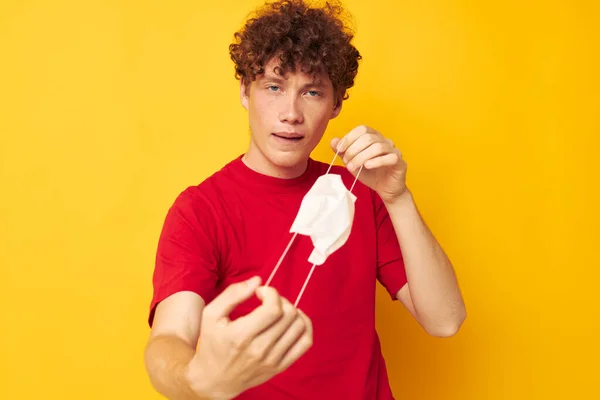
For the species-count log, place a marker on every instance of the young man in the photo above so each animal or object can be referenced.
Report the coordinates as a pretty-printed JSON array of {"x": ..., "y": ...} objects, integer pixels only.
[{"x": 217, "y": 331}]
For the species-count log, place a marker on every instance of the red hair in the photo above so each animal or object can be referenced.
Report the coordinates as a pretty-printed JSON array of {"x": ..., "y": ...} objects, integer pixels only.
[{"x": 315, "y": 39}]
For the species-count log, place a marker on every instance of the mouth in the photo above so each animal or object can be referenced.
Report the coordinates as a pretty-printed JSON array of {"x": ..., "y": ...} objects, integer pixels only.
[{"x": 291, "y": 136}]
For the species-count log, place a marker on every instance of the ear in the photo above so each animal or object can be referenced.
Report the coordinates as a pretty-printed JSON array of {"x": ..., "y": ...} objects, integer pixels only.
[
  {"x": 243, "y": 94},
  {"x": 338, "y": 108}
]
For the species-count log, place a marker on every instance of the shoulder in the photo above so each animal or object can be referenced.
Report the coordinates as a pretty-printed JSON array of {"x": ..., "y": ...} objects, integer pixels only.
[
  {"x": 203, "y": 200},
  {"x": 210, "y": 189}
]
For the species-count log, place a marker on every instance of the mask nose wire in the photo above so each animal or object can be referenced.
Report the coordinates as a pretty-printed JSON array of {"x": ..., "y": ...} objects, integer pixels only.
[{"x": 268, "y": 282}]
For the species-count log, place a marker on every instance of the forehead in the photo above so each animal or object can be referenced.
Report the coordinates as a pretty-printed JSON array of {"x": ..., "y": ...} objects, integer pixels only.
[{"x": 271, "y": 71}]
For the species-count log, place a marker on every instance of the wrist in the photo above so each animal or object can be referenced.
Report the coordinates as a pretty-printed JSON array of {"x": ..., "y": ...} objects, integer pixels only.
[
  {"x": 405, "y": 198},
  {"x": 197, "y": 383}
]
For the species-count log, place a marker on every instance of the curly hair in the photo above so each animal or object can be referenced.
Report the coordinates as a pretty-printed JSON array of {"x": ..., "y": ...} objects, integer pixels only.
[{"x": 316, "y": 39}]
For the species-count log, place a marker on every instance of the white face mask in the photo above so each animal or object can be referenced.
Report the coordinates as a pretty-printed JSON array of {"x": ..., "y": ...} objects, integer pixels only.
[{"x": 326, "y": 215}]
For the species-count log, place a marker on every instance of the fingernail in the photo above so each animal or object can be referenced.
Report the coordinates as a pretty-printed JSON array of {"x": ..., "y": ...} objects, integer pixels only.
[{"x": 254, "y": 282}]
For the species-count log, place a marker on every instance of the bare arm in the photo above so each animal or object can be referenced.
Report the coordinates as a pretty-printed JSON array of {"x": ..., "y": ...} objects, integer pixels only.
[
  {"x": 195, "y": 352},
  {"x": 172, "y": 343},
  {"x": 432, "y": 294}
]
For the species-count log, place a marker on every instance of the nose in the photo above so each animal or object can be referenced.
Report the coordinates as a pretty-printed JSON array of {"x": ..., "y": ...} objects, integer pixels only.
[{"x": 291, "y": 111}]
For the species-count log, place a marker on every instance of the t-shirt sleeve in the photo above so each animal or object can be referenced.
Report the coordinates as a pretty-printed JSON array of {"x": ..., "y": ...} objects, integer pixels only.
[
  {"x": 390, "y": 263},
  {"x": 186, "y": 257}
]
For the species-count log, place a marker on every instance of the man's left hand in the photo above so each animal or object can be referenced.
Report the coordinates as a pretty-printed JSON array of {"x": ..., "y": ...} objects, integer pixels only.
[{"x": 383, "y": 170}]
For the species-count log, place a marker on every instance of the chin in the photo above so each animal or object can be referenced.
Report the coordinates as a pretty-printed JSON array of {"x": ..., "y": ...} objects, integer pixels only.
[{"x": 287, "y": 159}]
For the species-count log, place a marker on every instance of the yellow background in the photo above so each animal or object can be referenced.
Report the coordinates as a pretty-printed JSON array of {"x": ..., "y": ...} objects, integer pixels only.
[{"x": 108, "y": 109}]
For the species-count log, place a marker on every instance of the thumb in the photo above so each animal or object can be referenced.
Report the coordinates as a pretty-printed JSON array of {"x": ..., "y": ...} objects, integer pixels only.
[
  {"x": 334, "y": 143},
  {"x": 233, "y": 295}
]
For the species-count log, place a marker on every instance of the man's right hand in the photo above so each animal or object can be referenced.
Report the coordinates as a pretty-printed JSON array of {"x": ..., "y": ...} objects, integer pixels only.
[{"x": 233, "y": 356}]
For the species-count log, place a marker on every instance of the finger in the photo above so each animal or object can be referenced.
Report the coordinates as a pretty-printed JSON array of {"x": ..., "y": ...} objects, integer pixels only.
[
  {"x": 299, "y": 346},
  {"x": 351, "y": 137},
  {"x": 267, "y": 339},
  {"x": 334, "y": 143},
  {"x": 375, "y": 149},
  {"x": 270, "y": 311},
  {"x": 307, "y": 321},
  {"x": 290, "y": 338},
  {"x": 233, "y": 295},
  {"x": 359, "y": 145},
  {"x": 384, "y": 160}
]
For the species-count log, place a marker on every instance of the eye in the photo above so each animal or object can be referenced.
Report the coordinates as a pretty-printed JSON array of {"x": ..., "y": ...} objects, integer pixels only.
[
  {"x": 313, "y": 93},
  {"x": 273, "y": 88}
]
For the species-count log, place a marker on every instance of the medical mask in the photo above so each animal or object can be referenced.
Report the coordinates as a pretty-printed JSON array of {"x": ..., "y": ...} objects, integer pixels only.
[{"x": 326, "y": 215}]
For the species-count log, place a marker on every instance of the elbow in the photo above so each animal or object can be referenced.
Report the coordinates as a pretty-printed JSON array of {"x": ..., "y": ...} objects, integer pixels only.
[
  {"x": 449, "y": 328},
  {"x": 445, "y": 331}
]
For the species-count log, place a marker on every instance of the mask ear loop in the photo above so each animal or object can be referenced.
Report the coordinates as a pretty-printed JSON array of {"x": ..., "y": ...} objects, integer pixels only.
[
  {"x": 268, "y": 282},
  {"x": 312, "y": 269}
]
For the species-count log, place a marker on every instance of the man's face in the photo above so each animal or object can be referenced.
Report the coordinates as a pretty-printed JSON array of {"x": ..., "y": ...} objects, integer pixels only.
[{"x": 288, "y": 116}]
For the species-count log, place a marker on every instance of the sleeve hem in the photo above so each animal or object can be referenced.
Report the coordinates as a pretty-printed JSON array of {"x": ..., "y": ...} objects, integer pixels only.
[
  {"x": 206, "y": 294},
  {"x": 392, "y": 277}
]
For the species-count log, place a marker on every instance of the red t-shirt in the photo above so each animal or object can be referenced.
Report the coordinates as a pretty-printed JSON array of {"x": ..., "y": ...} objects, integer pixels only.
[{"x": 235, "y": 225}]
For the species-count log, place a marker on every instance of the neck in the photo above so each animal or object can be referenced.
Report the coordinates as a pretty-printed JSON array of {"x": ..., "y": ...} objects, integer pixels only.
[{"x": 257, "y": 161}]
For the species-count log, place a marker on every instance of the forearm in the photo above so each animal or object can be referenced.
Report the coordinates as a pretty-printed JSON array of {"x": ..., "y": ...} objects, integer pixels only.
[
  {"x": 432, "y": 282},
  {"x": 167, "y": 358}
]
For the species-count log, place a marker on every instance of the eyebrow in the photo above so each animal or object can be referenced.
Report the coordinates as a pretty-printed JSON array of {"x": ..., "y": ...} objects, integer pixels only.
[{"x": 278, "y": 79}]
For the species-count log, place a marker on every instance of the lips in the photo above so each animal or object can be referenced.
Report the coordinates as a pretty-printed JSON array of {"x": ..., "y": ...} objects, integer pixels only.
[{"x": 289, "y": 135}]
